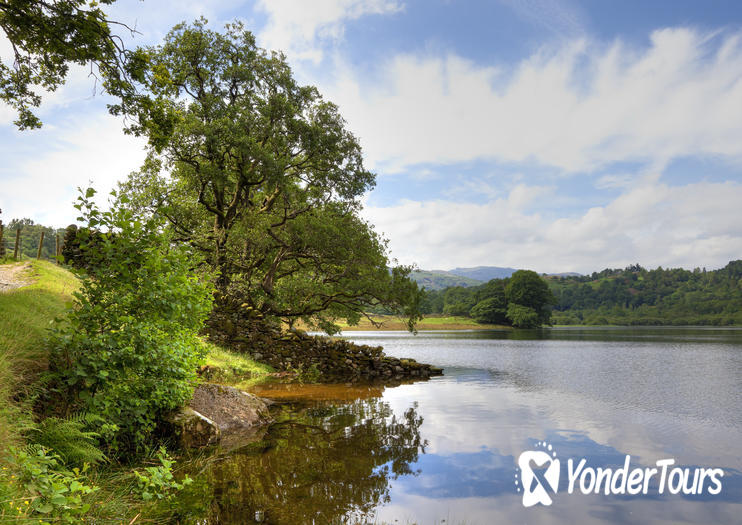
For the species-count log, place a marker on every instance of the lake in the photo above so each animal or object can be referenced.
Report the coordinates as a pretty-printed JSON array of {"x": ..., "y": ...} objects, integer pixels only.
[{"x": 446, "y": 450}]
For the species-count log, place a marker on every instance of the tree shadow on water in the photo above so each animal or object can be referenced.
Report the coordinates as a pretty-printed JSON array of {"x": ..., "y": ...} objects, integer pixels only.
[{"x": 326, "y": 463}]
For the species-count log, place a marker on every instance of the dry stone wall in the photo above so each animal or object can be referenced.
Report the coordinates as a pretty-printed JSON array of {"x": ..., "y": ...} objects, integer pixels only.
[{"x": 332, "y": 359}]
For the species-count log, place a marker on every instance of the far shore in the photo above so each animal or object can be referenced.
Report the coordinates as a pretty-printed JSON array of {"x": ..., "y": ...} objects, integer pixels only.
[{"x": 393, "y": 323}]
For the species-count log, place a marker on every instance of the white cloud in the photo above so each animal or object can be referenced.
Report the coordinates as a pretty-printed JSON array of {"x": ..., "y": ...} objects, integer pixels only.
[
  {"x": 43, "y": 186},
  {"x": 577, "y": 108},
  {"x": 298, "y": 27},
  {"x": 652, "y": 223},
  {"x": 558, "y": 16},
  {"x": 616, "y": 180}
]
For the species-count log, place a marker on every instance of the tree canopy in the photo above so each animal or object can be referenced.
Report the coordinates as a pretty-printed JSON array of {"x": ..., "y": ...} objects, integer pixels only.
[
  {"x": 522, "y": 300},
  {"x": 261, "y": 175},
  {"x": 533, "y": 298},
  {"x": 46, "y": 36}
]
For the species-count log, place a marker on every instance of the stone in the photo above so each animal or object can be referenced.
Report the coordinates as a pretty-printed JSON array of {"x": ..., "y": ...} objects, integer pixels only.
[
  {"x": 192, "y": 429},
  {"x": 229, "y": 408}
]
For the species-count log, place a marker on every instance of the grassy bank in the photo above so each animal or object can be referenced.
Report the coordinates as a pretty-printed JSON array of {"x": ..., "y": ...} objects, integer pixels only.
[
  {"x": 26, "y": 313},
  {"x": 234, "y": 369}
]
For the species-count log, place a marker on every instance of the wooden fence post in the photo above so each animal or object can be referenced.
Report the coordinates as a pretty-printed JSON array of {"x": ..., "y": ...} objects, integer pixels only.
[
  {"x": 2, "y": 243},
  {"x": 56, "y": 252},
  {"x": 41, "y": 244},
  {"x": 17, "y": 243}
]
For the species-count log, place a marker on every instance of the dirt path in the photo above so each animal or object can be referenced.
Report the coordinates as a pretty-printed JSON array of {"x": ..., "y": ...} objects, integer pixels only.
[{"x": 11, "y": 276}]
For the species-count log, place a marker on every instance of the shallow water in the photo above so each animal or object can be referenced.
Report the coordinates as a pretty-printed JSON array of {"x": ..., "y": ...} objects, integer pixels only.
[{"x": 447, "y": 449}]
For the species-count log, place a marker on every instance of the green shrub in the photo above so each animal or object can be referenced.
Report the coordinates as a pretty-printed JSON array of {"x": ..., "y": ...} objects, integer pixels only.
[
  {"x": 158, "y": 482},
  {"x": 48, "y": 490},
  {"x": 129, "y": 350}
]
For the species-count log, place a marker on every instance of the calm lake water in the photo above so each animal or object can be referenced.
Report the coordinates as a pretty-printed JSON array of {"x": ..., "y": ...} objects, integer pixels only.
[{"x": 446, "y": 450}]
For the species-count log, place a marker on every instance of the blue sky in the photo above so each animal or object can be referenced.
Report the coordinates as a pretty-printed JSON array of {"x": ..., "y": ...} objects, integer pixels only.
[{"x": 543, "y": 134}]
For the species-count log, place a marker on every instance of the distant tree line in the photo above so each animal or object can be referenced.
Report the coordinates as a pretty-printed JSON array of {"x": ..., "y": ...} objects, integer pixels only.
[
  {"x": 628, "y": 296},
  {"x": 29, "y": 242},
  {"x": 523, "y": 300},
  {"x": 637, "y": 296}
]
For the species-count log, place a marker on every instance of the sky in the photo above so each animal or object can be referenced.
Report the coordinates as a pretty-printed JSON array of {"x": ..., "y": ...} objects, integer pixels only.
[{"x": 543, "y": 134}]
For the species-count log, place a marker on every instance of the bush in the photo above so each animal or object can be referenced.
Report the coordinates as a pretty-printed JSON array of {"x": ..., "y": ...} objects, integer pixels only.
[
  {"x": 49, "y": 491},
  {"x": 129, "y": 350},
  {"x": 158, "y": 482}
]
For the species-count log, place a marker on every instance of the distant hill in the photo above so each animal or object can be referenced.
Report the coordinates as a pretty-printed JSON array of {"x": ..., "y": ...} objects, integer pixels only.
[
  {"x": 438, "y": 280},
  {"x": 484, "y": 273},
  {"x": 624, "y": 296},
  {"x": 565, "y": 274}
]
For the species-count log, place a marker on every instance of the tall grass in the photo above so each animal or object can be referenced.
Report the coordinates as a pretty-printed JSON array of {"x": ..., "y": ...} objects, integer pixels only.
[{"x": 25, "y": 315}]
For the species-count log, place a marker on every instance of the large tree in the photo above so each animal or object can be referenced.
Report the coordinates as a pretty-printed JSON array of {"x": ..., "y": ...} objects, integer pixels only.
[
  {"x": 262, "y": 175},
  {"x": 45, "y": 37},
  {"x": 529, "y": 300}
]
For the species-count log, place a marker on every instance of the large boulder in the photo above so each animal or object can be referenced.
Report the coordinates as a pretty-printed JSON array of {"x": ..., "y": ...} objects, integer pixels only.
[
  {"x": 217, "y": 412},
  {"x": 192, "y": 429},
  {"x": 230, "y": 408}
]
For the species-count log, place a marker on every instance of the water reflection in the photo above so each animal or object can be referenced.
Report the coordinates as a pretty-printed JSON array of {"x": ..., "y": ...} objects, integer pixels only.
[
  {"x": 320, "y": 463},
  {"x": 446, "y": 449}
]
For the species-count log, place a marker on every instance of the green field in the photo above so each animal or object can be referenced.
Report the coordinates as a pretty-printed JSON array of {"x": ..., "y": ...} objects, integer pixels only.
[{"x": 390, "y": 322}]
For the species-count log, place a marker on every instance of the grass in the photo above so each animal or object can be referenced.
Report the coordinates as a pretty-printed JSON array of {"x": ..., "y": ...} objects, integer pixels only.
[
  {"x": 428, "y": 323},
  {"x": 234, "y": 369},
  {"x": 25, "y": 315}
]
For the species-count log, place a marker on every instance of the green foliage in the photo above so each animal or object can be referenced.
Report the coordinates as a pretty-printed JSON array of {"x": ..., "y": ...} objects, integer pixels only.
[
  {"x": 158, "y": 482},
  {"x": 491, "y": 302},
  {"x": 490, "y": 311},
  {"x": 630, "y": 296},
  {"x": 69, "y": 440},
  {"x": 2, "y": 236},
  {"x": 50, "y": 492},
  {"x": 636, "y": 296},
  {"x": 526, "y": 288},
  {"x": 457, "y": 301},
  {"x": 273, "y": 200},
  {"x": 523, "y": 316},
  {"x": 46, "y": 36},
  {"x": 25, "y": 315},
  {"x": 129, "y": 349}
]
